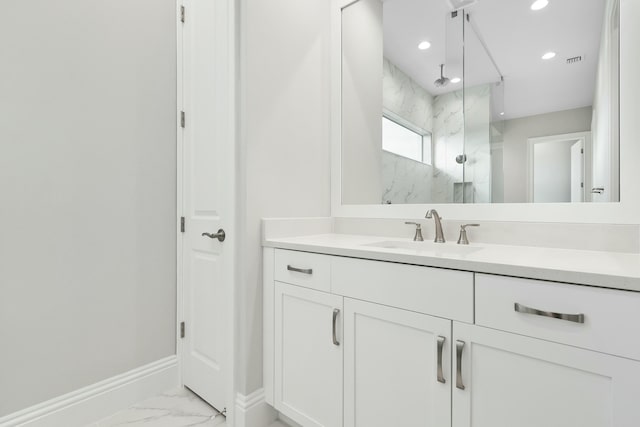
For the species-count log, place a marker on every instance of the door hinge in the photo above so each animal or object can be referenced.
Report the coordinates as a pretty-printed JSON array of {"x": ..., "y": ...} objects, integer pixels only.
[
  {"x": 582, "y": 185},
  {"x": 183, "y": 119},
  {"x": 182, "y": 224},
  {"x": 582, "y": 151},
  {"x": 182, "y": 14},
  {"x": 182, "y": 330}
]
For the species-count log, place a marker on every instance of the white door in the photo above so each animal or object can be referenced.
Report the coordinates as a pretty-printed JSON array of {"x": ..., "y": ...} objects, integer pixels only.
[
  {"x": 512, "y": 380},
  {"x": 308, "y": 356},
  {"x": 207, "y": 199},
  {"x": 397, "y": 368},
  {"x": 577, "y": 172}
]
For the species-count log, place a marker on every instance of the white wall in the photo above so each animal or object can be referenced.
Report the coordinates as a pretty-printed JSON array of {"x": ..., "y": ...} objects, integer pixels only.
[
  {"x": 87, "y": 179},
  {"x": 605, "y": 122},
  {"x": 362, "y": 71},
  {"x": 284, "y": 143},
  {"x": 517, "y": 131}
]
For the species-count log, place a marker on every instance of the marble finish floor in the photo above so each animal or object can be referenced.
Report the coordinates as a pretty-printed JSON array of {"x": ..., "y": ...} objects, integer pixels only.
[{"x": 177, "y": 408}]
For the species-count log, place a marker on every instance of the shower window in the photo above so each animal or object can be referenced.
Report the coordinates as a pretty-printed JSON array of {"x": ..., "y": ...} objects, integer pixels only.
[{"x": 406, "y": 140}]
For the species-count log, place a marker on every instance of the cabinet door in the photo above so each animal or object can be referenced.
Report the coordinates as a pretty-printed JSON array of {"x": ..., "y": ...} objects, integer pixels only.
[
  {"x": 391, "y": 367},
  {"x": 512, "y": 380},
  {"x": 308, "y": 356}
]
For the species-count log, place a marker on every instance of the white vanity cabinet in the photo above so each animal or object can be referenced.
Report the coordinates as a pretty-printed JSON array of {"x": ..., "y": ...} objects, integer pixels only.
[
  {"x": 512, "y": 380},
  {"x": 308, "y": 355},
  {"x": 396, "y": 367},
  {"x": 362, "y": 343}
]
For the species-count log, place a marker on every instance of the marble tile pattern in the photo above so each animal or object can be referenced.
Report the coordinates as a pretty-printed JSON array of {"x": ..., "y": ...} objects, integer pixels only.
[
  {"x": 405, "y": 180},
  {"x": 406, "y": 98},
  {"x": 462, "y": 125},
  {"x": 448, "y": 140},
  {"x": 177, "y": 408},
  {"x": 477, "y": 142}
]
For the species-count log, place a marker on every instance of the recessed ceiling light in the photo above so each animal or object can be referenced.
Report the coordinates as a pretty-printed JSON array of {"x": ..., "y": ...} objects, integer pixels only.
[
  {"x": 424, "y": 45},
  {"x": 502, "y": 113},
  {"x": 539, "y": 4},
  {"x": 549, "y": 55},
  {"x": 456, "y": 80}
]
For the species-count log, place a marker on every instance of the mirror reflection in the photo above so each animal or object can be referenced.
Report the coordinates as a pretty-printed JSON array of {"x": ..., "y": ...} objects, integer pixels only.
[{"x": 480, "y": 101}]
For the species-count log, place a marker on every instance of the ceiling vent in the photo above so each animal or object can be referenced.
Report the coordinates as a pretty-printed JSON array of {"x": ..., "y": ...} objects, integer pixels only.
[
  {"x": 574, "y": 60},
  {"x": 461, "y": 4}
]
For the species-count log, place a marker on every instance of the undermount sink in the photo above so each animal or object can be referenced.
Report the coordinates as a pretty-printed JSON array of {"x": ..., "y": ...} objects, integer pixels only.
[{"x": 437, "y": 248}]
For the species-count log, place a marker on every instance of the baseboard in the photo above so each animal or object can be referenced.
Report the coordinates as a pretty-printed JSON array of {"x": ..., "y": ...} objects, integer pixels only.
[
  {"x": 253, "y": 410},
  {"x": 97, "y": 401}
]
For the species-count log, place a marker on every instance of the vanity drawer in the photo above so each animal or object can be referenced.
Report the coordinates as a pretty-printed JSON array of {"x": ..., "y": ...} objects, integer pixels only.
[
  {"x": 610, "y": 317},
  {"x": 303, "y": 269},
  {"x": 433, "y": 291}
]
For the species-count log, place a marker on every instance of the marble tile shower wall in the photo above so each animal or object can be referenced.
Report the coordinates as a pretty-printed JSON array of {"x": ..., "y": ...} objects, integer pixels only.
[
  {"x": 407, "y": 181},
  {"x": 477, "y": 143},
  {"x": 448, "y": 142},
  {"x": 404, "y": 97}
]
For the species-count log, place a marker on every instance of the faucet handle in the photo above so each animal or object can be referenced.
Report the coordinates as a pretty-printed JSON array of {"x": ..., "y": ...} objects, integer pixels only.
[
  {"x": 464, "y": 227},
  {"x": 418, "y": 236},
  {"x": 463, "y": 240}
]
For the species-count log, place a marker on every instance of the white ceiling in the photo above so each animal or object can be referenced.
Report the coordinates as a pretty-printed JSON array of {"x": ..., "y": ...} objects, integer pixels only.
[{"x": 515, "y": 35}]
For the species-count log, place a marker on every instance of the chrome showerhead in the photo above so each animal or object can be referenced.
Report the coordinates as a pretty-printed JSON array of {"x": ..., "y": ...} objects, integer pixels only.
[{"x": 442, "y": 81}]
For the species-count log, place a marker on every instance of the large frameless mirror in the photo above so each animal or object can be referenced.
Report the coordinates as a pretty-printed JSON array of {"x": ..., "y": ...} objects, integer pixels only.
[{"x": 480, "y": 101}]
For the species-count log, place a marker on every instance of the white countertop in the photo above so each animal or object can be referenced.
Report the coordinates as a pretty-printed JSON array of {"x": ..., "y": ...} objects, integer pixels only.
[{"x": 604, "y": 269}]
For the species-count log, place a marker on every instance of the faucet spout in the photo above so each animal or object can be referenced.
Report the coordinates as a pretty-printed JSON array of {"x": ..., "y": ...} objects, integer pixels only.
[{"x": 437, "y": 220}]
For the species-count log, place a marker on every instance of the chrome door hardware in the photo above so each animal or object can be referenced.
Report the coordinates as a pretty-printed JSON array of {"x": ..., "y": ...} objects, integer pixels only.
[
  {"x": 335, "y": 321},
  {"x": 220, "y": 235},
  {"x": 418, "y": 236},
  {"x": 577, "y": 318},
  {"x": 459, "y": 350},
  {"x": 300, "y": 270},
  {"x": 441, "y": 341},
  {"x": 597, "y": 190},
  {"x": 463, "y": 240}
]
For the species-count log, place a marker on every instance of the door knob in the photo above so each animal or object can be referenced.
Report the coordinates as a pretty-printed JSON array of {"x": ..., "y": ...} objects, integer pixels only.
[{"x": 220, "y": 235}]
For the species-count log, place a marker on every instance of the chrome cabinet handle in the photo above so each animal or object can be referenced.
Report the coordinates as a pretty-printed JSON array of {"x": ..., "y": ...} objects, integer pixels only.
[
  {"x": 597, "y": 190},
  {"x": 300, "y": 270},
  {"x": 220, "y": 235},
  {"x": 459, "y": 350},
  {"x": 577, "y": 318},
  {"x": 441, "y": 340},
  {"x": 335, "y": 318}
]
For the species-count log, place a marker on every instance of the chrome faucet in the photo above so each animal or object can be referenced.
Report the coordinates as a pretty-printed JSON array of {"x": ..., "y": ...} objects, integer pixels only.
[{"x": 436, "y": 218}]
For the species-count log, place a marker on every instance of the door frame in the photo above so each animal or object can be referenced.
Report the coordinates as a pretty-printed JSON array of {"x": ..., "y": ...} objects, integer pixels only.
[
  {"x": 585, "y": 137},
  {"x": 228, "y": 162}
]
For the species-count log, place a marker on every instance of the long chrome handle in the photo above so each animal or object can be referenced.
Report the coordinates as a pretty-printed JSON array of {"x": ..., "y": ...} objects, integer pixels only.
[
  {"x": 335, "y": 321},
  {"x": 220, "y": 235},
  {"x": 459, "y": 350},
  {"x": 577, "y": 318},
  {"x": 300, "y": 270},
  {"x": 441, "y": 341}
]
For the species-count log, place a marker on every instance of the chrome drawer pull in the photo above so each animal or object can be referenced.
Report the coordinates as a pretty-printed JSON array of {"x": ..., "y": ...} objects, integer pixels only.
[
  {"x": 335, "y": 318},
  {"x": 441, "y": 340},
  {"x": 577, "y": 318},
  {"x": 300, "y": 270},
  {"x": 459, "y": 349}
]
